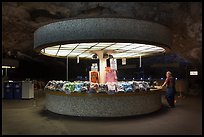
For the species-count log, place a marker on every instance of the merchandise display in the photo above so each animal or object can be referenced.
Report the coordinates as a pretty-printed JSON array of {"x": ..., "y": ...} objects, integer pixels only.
[{"x": 110, "y": 87}]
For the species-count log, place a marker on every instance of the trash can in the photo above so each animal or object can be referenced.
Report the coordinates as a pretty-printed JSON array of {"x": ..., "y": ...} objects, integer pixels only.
[
  {"x": 27, "y": 89},
  {"x": 17, "y": 90},
  {"x": 8, "y": 90}
]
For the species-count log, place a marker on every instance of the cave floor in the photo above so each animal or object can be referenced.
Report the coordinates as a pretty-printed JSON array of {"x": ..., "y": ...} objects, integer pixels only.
[{"x": 29, "y": 117}]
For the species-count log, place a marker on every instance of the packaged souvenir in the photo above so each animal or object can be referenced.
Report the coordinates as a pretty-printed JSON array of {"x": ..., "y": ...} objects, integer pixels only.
[
  {"x": 78, "y": 87},
  {"x": 127, "y": 87},
  {"x": 93, "y": 87},
  {"x": 69, "y": 87},
  {"x": 94, "y": 76},
  {"x": 59, "y": 85},
  {"x": 119, "y": 87},
  {"x": 102, "y": 88},
  {"x": 135, "y": 86},
  {"x": 111, "y": 87}
]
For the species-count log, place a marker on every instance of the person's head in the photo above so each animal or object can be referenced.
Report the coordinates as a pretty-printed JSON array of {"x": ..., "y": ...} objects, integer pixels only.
[
  {"x": 107, "y": 69},
  {"x": 168, "y": 74}
]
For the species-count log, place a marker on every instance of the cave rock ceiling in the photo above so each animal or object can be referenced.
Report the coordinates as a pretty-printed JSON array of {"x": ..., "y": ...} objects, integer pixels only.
[{"x": 21, "y": 19}]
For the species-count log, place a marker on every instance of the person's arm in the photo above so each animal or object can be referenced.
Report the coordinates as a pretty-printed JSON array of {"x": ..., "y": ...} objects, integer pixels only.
[{"x": 163, "y": 84}]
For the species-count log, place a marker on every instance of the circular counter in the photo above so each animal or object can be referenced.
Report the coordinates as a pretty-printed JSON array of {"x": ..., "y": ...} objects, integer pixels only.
[{"x": 102, "y": 104}]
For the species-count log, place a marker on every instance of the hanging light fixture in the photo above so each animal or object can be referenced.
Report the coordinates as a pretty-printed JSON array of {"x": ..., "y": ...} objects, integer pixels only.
[
  {"x": 105, "y": 55},
  {"x": 110, "y": 56},
  {"x": 95, "y": 56}
]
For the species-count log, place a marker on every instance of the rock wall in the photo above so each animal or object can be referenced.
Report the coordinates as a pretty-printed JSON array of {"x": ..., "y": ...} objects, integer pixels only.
[{"x": 21, "y": 19}]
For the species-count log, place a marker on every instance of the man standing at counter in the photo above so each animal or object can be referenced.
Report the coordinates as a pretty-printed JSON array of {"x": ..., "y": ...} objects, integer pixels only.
[{"x": 170, "y": 88}]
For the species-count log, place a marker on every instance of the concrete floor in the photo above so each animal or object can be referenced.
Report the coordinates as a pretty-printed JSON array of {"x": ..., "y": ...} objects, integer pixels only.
[{"x": 29, "y": 117}]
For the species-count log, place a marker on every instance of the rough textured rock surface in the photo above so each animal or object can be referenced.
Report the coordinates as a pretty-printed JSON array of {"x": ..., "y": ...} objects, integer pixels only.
[{"x": 21, "y": 19}]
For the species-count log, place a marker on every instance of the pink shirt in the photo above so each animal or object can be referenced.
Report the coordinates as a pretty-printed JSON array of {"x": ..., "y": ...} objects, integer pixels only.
[{"x": 111, "y": 76}]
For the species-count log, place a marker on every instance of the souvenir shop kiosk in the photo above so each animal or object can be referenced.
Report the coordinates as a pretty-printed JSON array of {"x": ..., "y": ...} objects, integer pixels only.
[{"x": 102, "y": 38}]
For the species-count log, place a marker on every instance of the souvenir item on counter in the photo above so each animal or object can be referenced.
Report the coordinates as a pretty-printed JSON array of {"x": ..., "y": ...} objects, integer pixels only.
[
  {"x": 153, "y": 84},
  {"x": 111, "y": 87},
  {"x": 119, "y": 87},
  {"x": 144, "y": 86},
  {"x": 135, "y": 86},
  {"x": 94, "y": 76},
  {"x": 85, "y": 87},
  {"x": 65, "y": 88},
  {"x": 47, "y": 86},
  {"x": 59, "y": 85},
  {"x": 78, "y": 87},
  {"x": 53, "y": 85},
  {"x": 93, "y": 87},
  {"x": 102, "y": 88},
  {"x": 69, "y": 87},
  {"x": 141, "y": 86},
  {"x": 127, "y": 87},
  {"x": 87, "y": 84}
]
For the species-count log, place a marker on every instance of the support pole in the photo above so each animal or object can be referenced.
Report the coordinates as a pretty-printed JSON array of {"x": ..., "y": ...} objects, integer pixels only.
[
  {"x": 67, "y": 68},
  {"x": 102, "y": 65},
  {"x": 140, "y": 61},
  {"x": 6, "y": 72},
  {"x": 77, "y": 59}
]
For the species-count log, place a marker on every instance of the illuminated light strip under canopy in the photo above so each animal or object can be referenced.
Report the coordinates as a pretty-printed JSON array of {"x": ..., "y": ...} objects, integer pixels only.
[
  {"x": 86, "y": 50},
  {"x": 8, "y": 67}
]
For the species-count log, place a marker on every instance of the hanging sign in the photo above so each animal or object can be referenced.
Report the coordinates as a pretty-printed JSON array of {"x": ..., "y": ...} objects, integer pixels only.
[
  {"x": 193, "y": 72},
  {"x": 123, "y": 61},
  {"x": 113, "y": 64}
]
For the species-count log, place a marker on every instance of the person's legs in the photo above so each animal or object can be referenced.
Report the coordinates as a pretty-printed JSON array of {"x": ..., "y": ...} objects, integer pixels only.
[
  {"x": 171, "y": 102},
  {"x": 170, "y": 97}
]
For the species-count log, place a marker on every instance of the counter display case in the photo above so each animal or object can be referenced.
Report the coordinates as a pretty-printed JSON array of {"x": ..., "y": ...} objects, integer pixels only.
[{"x": 82, "y": 102}]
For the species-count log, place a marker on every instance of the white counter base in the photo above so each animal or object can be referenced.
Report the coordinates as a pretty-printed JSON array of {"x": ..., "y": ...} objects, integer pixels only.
[{"x": 103, "y": 105}]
